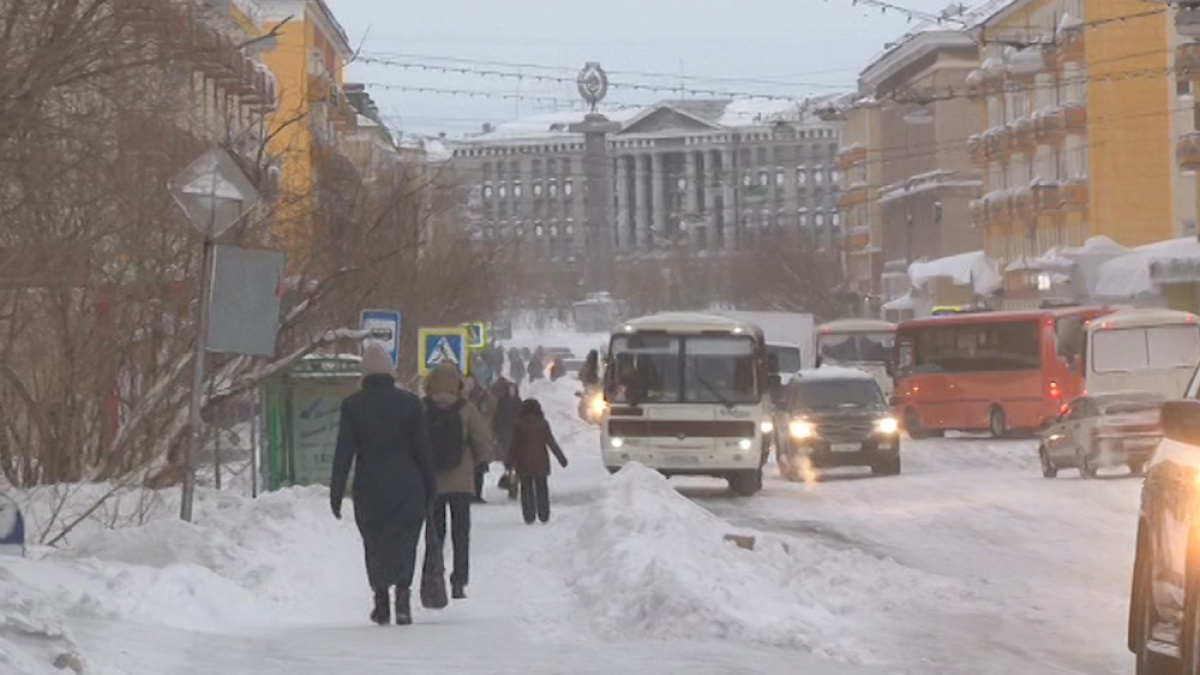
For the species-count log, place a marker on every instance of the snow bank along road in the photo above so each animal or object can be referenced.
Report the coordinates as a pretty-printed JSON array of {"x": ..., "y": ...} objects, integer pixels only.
[{"x": 970, "y": 562}]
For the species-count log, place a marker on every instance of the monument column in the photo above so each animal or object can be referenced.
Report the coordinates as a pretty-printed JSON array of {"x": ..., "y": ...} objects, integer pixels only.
[{"x": 597, "y": 170}]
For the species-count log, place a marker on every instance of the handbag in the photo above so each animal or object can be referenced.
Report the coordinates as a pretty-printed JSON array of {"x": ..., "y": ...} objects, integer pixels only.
[{"x": 433, "y": 571}]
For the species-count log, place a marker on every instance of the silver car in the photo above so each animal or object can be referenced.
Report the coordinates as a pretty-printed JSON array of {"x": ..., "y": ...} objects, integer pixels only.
[{"x": 1101, "y": 431}]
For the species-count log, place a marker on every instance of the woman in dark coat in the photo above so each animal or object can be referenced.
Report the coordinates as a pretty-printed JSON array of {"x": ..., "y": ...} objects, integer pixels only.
[
  {"x": 508, "y": 409},
  {"x": 383, "y": 434},
  {"x": 529, "y": 454}
]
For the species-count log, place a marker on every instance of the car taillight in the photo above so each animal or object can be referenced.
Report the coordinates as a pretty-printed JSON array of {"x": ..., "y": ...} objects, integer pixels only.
[{"x": 1055, "y": 392}]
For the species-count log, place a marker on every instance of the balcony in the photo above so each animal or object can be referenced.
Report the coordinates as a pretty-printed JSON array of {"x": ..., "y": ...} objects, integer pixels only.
[
  {"x": 856, "y": 239},
  {"x": 850, "y": 156},
  {"x": 1047, "y": 196},
  {"x": 1075, "y": 117},
  {"x": 320, "y": 87},
  {"x": 1187, "y": 18},
  {"x": 1187, "y": 151},
  {"x": 1023, "y": 133},
  {"x": 997, "y": 207},
  {"x": 977, "y": 149},
  {"x": 1023, "y": 205},
  {"x": 853, "y": 196},
  {"x": 978, "y": 211},
  {"x": 1075, "y": 194},
  {"x": 1187, "y": 60},
  {"x": 1049, "y": 124}
]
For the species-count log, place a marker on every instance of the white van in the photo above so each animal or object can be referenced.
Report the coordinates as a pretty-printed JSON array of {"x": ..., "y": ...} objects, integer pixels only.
[{"x": 865, "y": 344}]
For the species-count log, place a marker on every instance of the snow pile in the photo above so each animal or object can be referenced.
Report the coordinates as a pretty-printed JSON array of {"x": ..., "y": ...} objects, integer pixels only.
[
  {"x": 966, "y": 269},
  {"x": 647, "y": 563},
  {"x": 33, "y": 639}
]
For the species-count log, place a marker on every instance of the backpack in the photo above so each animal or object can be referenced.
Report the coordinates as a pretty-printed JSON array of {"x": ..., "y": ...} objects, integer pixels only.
[{"x": 446, "y": 434}]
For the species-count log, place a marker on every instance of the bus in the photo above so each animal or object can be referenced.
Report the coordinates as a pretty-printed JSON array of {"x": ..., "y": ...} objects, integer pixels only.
[
  {"x": 865, "y": 344},
  {"x": 689, "y": 394},
  {"x": 1000, "y": 372},
  {"x": 1152, "y": 350}
]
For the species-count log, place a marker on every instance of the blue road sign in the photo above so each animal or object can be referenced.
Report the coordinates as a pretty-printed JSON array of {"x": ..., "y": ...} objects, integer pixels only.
[
  {"x": 384, "y": 325},
  {"x": 12, "y": 529},
  {"x": 476, "y": 334},
  {"x": 442, "y": 345}
]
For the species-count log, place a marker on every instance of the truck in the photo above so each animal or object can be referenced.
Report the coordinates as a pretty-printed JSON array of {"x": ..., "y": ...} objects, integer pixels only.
[{"x": 789, "y": 338}]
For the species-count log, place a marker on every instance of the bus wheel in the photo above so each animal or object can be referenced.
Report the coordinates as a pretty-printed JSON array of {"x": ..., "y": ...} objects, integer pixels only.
[
  {"x": 746, "y": 483},
  {"x": 912, "y": 424},
  {"x": 997, "y": 423}
]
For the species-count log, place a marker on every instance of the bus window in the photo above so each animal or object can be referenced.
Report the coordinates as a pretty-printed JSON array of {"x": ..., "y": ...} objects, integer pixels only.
[
  {"x": 855, "y": 347},
  {"x": 983, "y": 347},
  {"x": 1173, "y": 346}
]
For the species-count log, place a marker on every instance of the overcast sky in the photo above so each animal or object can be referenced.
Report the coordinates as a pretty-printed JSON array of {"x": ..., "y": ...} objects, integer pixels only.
[{"x": 778, "y": 47}]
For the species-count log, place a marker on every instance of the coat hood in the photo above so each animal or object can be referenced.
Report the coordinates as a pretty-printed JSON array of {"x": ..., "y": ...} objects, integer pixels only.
[{"x": 443, "y": 379}]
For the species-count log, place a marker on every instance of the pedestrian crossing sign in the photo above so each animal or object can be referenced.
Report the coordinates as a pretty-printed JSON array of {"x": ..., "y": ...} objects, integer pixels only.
[
  {"x": 436, "y": 346},
  {"x": 476, "y": 334}
]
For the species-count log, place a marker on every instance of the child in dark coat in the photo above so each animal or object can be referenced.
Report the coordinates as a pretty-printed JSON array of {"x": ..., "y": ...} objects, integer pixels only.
[{"x": 529, "y": 454}]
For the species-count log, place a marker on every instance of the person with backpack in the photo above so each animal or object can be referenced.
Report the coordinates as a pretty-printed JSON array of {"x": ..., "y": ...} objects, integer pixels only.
[
  {"x": 529, "y": 455},
  {"x": 382, "y": 434},
  {"x": 460, "y": 439}
]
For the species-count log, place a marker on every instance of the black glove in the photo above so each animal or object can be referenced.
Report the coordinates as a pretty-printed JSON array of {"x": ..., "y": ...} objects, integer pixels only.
[
  {"x": 563, "y": 462},
  {"x": 335, "y": 505}
]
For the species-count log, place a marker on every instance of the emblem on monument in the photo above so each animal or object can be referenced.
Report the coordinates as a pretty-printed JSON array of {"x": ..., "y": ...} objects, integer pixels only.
[{"x": 592, "y": 83}]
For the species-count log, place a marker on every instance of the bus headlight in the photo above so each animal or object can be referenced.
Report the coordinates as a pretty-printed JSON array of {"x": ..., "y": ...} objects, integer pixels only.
[
  {"x": 766, "y": 426},
  {"x": 598, "y": 406},
  {"x": 801, "y": 429},
  {"x": 746, "y": 443},
  {"x": 616, "y": 442},
  {"x": 887, "y": 425}
]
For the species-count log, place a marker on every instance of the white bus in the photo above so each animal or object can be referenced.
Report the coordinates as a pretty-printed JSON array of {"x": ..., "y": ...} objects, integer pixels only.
[
  {"x": 689, "y": 394},
  {"x": 1152, "y": 350},
  {"x": 865, "y": 344}
]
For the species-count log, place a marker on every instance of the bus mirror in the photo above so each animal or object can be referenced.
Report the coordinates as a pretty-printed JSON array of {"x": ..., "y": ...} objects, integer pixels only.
[
  {"x": 775, "y": 382},
  {"x": 1181, "y": 421},
  {"x": 895, "y": 401}
]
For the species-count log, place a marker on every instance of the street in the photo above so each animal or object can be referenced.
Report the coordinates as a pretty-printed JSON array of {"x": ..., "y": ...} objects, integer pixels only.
[{"x": 969, "y": 562}]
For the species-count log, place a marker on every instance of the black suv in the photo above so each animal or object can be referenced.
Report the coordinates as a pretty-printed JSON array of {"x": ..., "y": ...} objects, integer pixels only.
[
  {"x": 836, "y": 417},
  {"x": 1164, "y": 607}
]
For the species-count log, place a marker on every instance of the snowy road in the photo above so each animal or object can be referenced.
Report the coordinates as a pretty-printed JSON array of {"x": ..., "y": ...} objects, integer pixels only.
[{"x": 969, "y": 562}]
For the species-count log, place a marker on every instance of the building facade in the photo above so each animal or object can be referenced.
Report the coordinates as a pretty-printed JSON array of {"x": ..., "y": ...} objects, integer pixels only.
[
  {"x": 924, "y": 181},
  {"x": 705, "y": 175},
  {"x": 1081, "y": 113},
  {"x": 858, "y": 204}
]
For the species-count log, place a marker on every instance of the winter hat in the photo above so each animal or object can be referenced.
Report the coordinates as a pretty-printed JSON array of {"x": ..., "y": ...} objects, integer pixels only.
[
  {"x": 376, "y": 361},
  {"x": 443, "y": 379}
]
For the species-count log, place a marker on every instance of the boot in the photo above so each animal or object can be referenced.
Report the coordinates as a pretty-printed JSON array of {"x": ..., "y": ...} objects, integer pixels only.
[
  {"x": 403, "y": 610},
  {"x": 381, "y": 615},
  {"x": 458, "y": 591}
]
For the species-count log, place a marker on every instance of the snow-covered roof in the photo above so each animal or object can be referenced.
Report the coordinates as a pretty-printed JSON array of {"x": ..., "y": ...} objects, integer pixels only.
[
  {"x": 833, "y": 373},
  {"x": 546, "y": 125},
  {"x": 903, "y": 303},
  {"x": 965, "y": 269},
  {"x": 941, "y": 178},
  {"x": 1128, "y": 276}
]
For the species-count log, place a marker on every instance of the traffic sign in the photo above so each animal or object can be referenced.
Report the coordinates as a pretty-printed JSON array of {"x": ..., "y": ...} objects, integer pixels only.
[
  {"x": 12, "y": 529},
  {"x": 436, "y": 346},
  {"x": 476, "y": 334},
  {"x": 384, "y": 327}
]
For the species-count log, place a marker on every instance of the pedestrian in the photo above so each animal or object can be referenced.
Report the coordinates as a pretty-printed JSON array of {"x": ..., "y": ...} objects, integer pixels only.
[
  {"x": 532, "y": 441},
  {"x": 589, "y": 375},
  {"x": 481, "y": 369},
  {"x": 382, "y": 433},
  {"x": 558, "y": 369},
  {"x": 508, "y": 409},
  {"x": 516, "y": 365},
  {"x": 483, "y": 400},
  {"x": 460, "y": 439},
  {"x": 537, "y": 365}
]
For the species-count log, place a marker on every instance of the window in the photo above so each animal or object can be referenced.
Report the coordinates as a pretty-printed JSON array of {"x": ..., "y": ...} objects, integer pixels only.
[
  {"x": 819, "y": 175},
  {"x": 537, "y": 189},
  {"x": 836, "y": 176},
  {"x": 487, "y": 191},
  {"x": 568, "y": 187},
  {"x": 836, "y": 394},
  {"x": 836, "y": 219},
  {"x": 764, "y": 178},
  {"x": 553, "y": 187},
  {"x": 819, "y": 219},
  {"x": 803, "y": 220},
  {"x": 1131, "y": 349},
  {"x": 779, "y": 179},
  {"x": 566, "y": 167},
  {"x": 502, "y": 191},
  {"x": 801, "y": 176},
  {"x": 516, "y": 189},
  {"x": 844, "y": 348},
  {"x": 669, "y": 369},
  {"x": 979, "y": 348},
  {"x": 747, "y": 180}
]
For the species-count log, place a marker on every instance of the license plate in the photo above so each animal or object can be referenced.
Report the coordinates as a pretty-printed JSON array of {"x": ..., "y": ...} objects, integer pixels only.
[
  {"x": 684, "y": 460},
  {"x": 845, "y": 447}
]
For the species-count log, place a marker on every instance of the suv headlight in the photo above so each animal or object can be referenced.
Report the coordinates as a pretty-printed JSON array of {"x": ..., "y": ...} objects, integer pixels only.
[
  {"x": 801, "y": 429},
  {"x": 887, "y": 425},
  {"x": 766, "y": 426}
]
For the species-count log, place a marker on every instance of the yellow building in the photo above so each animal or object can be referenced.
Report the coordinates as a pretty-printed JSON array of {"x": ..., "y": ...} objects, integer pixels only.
[
  {"x": 858, "y": 204},
  {"x": 307, "y": 59},
  {"x": 1078, "y": 131}
]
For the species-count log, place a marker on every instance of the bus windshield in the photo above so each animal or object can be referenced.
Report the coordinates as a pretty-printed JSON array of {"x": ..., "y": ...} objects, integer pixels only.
[
  {"x": 683, "y": 369},
  {"x": 855, "y": 347}
]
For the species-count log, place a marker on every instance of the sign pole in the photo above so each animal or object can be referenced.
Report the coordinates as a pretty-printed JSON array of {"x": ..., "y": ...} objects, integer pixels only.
[{"x": 192, "y": 448}]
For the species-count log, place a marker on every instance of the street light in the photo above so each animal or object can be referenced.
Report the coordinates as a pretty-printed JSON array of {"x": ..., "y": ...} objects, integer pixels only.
[{"x": 214, "y": 194}]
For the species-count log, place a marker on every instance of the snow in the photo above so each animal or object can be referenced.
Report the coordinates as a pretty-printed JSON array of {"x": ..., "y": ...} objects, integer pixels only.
[
  {"x": 833, "y": 373},
  {"x": 927, "y": 181},
  {"x": 547, "y": 125},
  {"x": 904, "y": 302},
  {"x": 969, "y": 562},
  {"x": 966, "y": 269},
  {"x": 1128, "y": 276}
]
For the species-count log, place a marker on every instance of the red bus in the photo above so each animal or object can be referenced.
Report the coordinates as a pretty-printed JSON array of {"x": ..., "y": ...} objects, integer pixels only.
[{"x": 992, "y": 371}]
